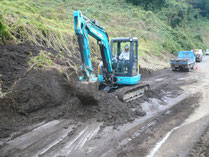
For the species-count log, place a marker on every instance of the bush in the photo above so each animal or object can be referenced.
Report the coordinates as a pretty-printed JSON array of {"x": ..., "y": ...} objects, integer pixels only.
[
  {"x": 203, "y": 5},
  {"x": 198, "y": 37},
  {"x": 4, "y": 31},
  {"x": 149, "y": 4}
]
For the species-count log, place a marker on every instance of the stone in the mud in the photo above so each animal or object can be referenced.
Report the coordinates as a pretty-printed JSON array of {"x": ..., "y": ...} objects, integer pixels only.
[{"x": 139, "y": 112}]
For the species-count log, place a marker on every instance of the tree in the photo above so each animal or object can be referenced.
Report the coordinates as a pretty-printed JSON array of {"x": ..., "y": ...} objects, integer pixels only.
[
  {"x": 203, "y": 5},
  {"x": 149, "y": 4}
]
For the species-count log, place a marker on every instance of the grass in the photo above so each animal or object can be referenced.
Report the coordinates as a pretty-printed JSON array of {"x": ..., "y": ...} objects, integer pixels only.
[
  {"x": 50, "y": 24},
  {"x": 42, "y": 60}
]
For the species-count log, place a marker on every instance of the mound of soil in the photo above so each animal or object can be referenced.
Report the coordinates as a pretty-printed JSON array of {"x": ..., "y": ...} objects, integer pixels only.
[
  {"x": 14, "y": 62},
  {"x": 43, "y": 89},
  {"x": 38, "y": 95},
  {"x": 38, "y": 89},
  {"x": 105, "y": 106},
  {"x": 145, "y": 72}
]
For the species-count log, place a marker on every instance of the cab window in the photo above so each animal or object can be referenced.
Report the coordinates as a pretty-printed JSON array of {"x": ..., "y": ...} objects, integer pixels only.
[{"x": 135, "y": 59}]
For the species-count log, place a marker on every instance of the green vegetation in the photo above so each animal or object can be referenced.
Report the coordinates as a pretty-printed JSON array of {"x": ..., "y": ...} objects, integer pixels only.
[
  {"x": 203, "y": 5},
  {"x": 4, "y": 30},
  {"x": 43, "y": 60},
  {"x": 167, "y": 27},
  {"x": 149, "y": 4}
]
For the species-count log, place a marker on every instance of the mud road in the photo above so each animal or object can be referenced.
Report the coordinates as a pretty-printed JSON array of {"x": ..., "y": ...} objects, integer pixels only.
[{"x": 176, "y": 118}]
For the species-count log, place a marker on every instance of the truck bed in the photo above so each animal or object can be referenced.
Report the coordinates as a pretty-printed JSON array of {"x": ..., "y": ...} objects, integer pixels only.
[{"x": 181, "y": 61}]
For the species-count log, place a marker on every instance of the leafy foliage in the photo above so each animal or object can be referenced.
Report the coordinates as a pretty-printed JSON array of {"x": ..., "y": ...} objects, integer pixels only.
[
  {"x": 160, "y": 25},
  {"x": 203, "y": 5},
  {"x": 149, "y": 4}
]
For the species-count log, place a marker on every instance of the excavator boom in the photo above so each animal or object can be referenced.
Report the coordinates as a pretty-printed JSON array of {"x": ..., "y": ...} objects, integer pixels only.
[{"x": 84, "y": 27}]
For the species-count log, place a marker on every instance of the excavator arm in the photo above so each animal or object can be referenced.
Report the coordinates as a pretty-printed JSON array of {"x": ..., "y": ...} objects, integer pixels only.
[{"x": 84, "y": 27}]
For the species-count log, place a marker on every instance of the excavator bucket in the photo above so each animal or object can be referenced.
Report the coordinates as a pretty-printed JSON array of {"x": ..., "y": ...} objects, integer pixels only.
[{"x": 87, "y": 93}]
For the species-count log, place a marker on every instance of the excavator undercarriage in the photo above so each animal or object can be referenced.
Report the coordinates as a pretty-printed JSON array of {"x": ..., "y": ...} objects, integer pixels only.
[{"x": 130, "y": 93}]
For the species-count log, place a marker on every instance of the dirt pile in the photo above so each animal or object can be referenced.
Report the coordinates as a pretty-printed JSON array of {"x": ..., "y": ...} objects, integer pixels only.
[
  {"x": 105, "y": 106},
  {"x": 14, "y": 61},
  {"x": 114, "y": 112},
  {"x": 23, "y": 88},
  {"x": 145, "y": 72},
  {"x": 38, "y": 89},
  {"x": 37, "y": 94}
]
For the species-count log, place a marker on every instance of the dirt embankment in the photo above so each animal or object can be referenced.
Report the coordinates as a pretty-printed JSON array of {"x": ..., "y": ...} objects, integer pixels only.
[
  {"x": 34, "y": 95},
  {"x": 14, "y": 62}
]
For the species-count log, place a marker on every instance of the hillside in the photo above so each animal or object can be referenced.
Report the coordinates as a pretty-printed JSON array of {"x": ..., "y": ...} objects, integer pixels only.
[
  {"x": 46, "y": 111},
  {"x": 50, "y": 24}
]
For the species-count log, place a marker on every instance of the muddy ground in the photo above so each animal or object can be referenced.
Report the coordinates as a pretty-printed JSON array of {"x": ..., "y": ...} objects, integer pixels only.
[
  {"x": 157, "y": 126},
  {"x": 47, "y": 112},
  {"x": 35, "y": 94},
  {"x": 201, "y": 148}
]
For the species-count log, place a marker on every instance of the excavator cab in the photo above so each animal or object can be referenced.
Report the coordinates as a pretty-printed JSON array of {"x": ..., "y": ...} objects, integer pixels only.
[
  {"x": 124, "y": 62},
  {"x": 125, "y": 56}
]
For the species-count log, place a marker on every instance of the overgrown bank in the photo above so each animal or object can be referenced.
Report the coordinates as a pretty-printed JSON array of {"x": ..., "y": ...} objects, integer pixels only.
[{"x": 178, "y": 26}]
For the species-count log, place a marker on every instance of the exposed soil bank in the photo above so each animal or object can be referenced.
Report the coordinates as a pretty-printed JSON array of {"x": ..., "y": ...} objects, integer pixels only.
[
  {"x": 14, "y": 61},
  {"x": 42, "y": 95},
  {"x": 37, "y": 94}
]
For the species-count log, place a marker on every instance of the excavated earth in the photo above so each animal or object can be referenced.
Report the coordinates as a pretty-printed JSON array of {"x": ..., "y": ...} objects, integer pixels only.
[
  {"x": 47, "y": 112},
  {"x": 36, "y": 94}
]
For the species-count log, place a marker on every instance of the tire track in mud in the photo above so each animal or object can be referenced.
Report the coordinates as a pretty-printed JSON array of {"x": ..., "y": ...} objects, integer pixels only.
[
  {"x": 52, "y": 145},
  {"x": 72, "y": 145},
  {"x": 201, "y": 148},
  {"x": 188, "y": 133},
  {"x": 142, "y": 139},
  {"x": 84, "y": 140},
  {"x": 37, "y": 138},
  {"x": 55, "y": 138},
  {"x": 137, "y": 147}
]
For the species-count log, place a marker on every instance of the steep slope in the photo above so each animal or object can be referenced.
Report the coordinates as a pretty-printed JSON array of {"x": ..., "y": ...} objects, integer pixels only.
[{"x": 50, "y": 24}]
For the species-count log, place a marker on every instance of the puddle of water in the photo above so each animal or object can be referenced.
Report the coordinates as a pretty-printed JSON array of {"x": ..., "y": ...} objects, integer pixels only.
[
  {"x": 181, "y": 79},
  {"x": 160, "y": 79},
  {"x": 154, "y": 105}
]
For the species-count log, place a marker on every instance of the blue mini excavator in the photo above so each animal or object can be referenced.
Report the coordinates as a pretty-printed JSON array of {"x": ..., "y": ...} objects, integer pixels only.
[{"x": 113, "y": 72}]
